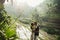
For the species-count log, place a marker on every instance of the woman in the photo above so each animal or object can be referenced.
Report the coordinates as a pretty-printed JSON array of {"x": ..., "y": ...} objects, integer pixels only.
[{"x": 32, "y": 28}]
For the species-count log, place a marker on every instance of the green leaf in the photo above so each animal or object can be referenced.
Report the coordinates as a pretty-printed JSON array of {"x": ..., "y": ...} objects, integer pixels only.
[{"x": 10, "y": 32}]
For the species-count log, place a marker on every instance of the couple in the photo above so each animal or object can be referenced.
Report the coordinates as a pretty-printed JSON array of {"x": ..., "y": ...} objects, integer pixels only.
[{"x": 35, "y": 31}]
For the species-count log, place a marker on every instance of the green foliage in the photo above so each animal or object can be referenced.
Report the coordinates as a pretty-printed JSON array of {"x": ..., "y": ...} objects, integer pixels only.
[
  {"x": 58, "y": 38},
  {"x": 10, "y": 32},
  {"x": 1, "y": 7},
  {"x": 7, "y": 30}
]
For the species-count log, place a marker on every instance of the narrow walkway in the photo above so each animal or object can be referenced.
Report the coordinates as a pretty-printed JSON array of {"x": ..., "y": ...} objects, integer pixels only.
[{"x": 23, "y": 33}]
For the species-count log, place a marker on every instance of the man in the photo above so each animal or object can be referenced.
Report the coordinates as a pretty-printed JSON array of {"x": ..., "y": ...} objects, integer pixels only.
[{"x": 36, "y": 33}]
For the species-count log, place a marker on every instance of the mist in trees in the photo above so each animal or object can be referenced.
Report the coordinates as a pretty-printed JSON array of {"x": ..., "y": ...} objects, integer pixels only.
[{"x": 47, "y": 14}]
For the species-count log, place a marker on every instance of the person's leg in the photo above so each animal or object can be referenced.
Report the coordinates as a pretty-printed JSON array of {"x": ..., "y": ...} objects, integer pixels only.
[
  {"x": 32, "y": 36},
  {"x": 35, "y": 37}
]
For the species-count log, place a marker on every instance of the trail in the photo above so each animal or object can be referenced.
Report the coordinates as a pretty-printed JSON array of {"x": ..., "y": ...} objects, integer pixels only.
[{"x": 25, "y": 34}]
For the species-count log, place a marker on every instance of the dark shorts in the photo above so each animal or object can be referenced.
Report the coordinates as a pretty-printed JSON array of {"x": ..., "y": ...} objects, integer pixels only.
[{"x": 36, "y": 33}]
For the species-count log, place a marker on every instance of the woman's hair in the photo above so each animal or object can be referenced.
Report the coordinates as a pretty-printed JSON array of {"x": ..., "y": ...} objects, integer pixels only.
[
  {"x": 32, "y": 24},
  {"x": 35, "y": 23}
]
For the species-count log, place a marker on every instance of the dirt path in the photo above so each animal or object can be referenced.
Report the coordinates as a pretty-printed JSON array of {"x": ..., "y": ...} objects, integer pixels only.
[{"x": 25, "y": 34}]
